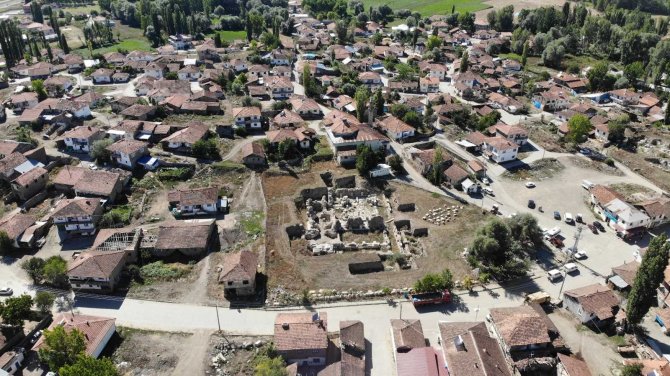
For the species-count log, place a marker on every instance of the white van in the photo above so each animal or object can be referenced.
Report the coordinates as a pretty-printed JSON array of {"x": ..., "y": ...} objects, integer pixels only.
[
  {"x": 554, "y": 275},
  {"x": 568, "y": 218},
  {"x": 587, "y": 184}
]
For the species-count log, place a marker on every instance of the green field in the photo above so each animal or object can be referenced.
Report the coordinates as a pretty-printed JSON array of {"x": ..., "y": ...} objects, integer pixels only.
[
  {"x": 428, "y": 8},
  {"x": 230, "y": 36},
  {"x": 84, "y": 9}
]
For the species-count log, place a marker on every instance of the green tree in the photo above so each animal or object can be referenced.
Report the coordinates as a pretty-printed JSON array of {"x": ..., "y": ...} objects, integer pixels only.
[
  {"x": 378, "y": 102},
  {"x": 206, "y": 149},
  {"x": 435, "y": 173},
  {"x": 5, "y": 243},
  {"x": 633, "y": 71},
  {"x": 650, "y": 274},
  {"x": 395, "y": 162},
  {"x": 524, "y": 55},
  {"x": 38, "y": 88},
  {"x": 61, "y": 347},
  {"x": 435, "y": 282},
  {"x": 99, "y": 150},
  {"x": 667, "y": 113},
  {"x": 89, "y": 366},
  {"x": 464, "y": 62},
  {"x": 271, "y": 367},
  {"x": 310, "y": 84},
  {"x": 287, "y": 149},
  {"x": 366, "y": 159},
  {"x": 433, "y": 42},
  {"x": 16, "y": 309},
  {"x": 55, "y": 271},
  {"x": 579, "y": 127},
  {"x": 44, "y": 300},
  {"x": 616, "y": 132},
  {"x": 599, "y": 78},
  {"x": 634, "y": 369},
  {"x": 34, "y": 267},
  {"x": 362, "y": 96},
  {"x": 413, "y": 119}
]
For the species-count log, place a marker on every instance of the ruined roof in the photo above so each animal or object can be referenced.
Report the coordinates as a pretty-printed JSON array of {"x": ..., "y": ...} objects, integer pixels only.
[
  {"x": 196, "y": 196},
  {"x": 627, "y": 271},
  {"x": 178, "y": 235},
  {"x": 520, "y": 326},
  {"x": 239, "y": 266},
  {"x": 31, "y": 176},
  {"x": 574, "y": 366},
  {"x": 596, "y": 299},
  {"x": 253, "y": 148},
  {"x": 299, "y": 331}
]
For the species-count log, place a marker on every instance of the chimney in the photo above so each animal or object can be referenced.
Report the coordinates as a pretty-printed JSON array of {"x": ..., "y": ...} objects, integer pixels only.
[
  {"x": 285, "y": 326},
  {"x": 459, "y": 344}
]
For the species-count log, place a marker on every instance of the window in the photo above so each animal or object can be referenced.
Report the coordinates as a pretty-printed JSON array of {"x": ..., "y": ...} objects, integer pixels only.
[
  {"x": 230, "y": 283},
  {"x": 245, "y": 282}
]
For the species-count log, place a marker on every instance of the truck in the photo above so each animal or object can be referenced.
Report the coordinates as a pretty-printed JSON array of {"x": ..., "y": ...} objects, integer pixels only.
[{"x": 436, "y": 297}]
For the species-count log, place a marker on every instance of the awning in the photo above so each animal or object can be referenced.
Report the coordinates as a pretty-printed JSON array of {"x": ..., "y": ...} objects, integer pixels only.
[{"x": 618, "y": 282}]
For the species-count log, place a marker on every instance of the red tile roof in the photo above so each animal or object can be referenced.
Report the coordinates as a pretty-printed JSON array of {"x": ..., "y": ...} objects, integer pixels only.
[
  {"x": 239, "y": 266},
  {"x": 298, "y": 331},
  {"x": 94, "y": 329}
]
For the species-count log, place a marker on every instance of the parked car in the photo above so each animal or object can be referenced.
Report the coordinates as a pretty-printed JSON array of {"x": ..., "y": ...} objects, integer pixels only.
[
  {"x": 557, "y": 242},
  {"x": 580, "y": 255},
  {"x": 531, "y": 204},
  {"x": 557, "y": 215},
  {"x": 599, "y": 226},
  {"x": 568, "y": 219},
  {"x": 592, "y": 228},
  {"x": 488, "y": 191},
  {"x": 6, "y": 291},
  {"x": 578, "y": 218},
  {"x": 570, "y": 267},
  {"x": 552, "y": 232},
  {"x": 530, "y": 184},
  {"x": 35, "y": 337},
  {"x": 554, "y": 275},
  {"x": 486, "y": 181},
  {"x": 585, "y": 151}
]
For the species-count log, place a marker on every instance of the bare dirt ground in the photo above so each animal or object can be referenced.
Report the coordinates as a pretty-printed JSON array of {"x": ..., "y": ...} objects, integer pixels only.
[
  {"x": 594, "y": 165},
  {"x": 239, "y": 352},
  {"x": 636, "y": 160},
  {"x": 546, "y": 136},
  {"x": 597, "y": 350},
  {"x": 540, "y": 169},
  {"x": 178, "y": 290},
  {"x": 152, "y": 353},
  {"x": 291, "y": 266},
  {"x": 634, "y": 193},
  {"x": 518, "y": 5}
]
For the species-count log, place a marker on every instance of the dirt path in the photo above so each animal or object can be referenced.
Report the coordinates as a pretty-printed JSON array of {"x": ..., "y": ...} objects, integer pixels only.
[
  {"x": 251, "y": 197},
  {"x": 198, "y": 293},
  {"x": 594, "y": 348},
  {"x": 194, "y": 351}
]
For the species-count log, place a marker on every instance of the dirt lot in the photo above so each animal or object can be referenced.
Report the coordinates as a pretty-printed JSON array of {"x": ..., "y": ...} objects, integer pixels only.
[
  {"x": 538, "y": 170},
  {"x": 148, "y": 353},
  {"x": 291, "y": 266},
  {"x": 636, "y": 161},
  {"x": 634, "y": 193},
  {"x": 239, "y": 352},
  {"x": 546, "y": 136},
  {"x": 594, "y": 165}
]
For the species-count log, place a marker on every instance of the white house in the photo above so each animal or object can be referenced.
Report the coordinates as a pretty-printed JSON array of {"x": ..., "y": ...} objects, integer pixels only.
[
  {"x": 189, "y": 73},
  {"x": 593, "y": 304},
  {"x": 247, "y": 117},
  {"x": 77, "y": 217},
  {"x": 102, "y": 76},
  {"x": 429, "y": 84},
  {"x": 126, "y": 152},
  {"x": 155, "y": 70},
  {"x": 97, "y": 331},
  {"x": 10, "y": 362},
  {"x": 396, "y": 128},
  {"x": 188, "y": 202},
  {"x": 500, "y": 150},
  {"x": 80, "y": 139},
  {"x": 602, "y": 132},
  {"x": 380, "y": 170}
]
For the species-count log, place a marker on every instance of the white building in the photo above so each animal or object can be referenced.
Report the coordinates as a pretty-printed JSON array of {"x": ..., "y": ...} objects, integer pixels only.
[{"x": 500, "y": 150}]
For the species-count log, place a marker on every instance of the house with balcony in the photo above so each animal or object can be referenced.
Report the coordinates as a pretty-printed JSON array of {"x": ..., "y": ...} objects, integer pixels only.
[
  {"x": 370, "y": 79},
  {"x": 395, "y": 128},
  {"x": 249, "y": 118},
  {"x": 623, "y": 217},
  {"x": 512, "y": 133},
  {"x": 77, "y": 217},
  {"x": 500, "y": 150},
  {"x": 184, "y": 139},
  {"x": 279, "y": 87},
  {"x": 97, "y": 271},
  {"x": 238, "y": 274},
  {"x": 307, "y": 108},
  {"x": 126, "y": 153},
  {"x": 81, "y": 139},
  {"x": 196, "y": 201},
  {"x": 429, "y": 84}
]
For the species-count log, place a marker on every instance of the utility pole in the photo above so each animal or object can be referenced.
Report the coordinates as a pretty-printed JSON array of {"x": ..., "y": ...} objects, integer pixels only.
[{"x": 571, "y": 255}]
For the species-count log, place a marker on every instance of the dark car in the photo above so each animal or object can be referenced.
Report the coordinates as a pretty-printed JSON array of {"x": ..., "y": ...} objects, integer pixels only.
[
  {"x": 531, "y": 204},
  {"x": 557, "y": 215},
  {"x": 599, "y": 226},
  {"x": 592, "y": 228}
]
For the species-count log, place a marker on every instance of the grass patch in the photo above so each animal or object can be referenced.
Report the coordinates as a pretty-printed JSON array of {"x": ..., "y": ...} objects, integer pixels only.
[
  {"x": 119, "y": 215},
  {"x": 619, "y": 340},
  {"x": 511, "y": 55},
  {"x": 541, "y": 169},
  {"x": 159, "y": 271},
  {"x": 428, "y": 8},
  {"x": 252, "y": 222},
  {"x": 173, "y": 174},
  {"x": 230, "y": 36},
  {"x": 84, "y": 9},
  {"x": 228, "y": 166},
  {"x": 131, "y": 39}
]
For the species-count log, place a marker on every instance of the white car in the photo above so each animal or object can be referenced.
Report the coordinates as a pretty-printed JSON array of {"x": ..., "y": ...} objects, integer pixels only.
[
  {"x": 580, "y": 255},
  {"x": 488, "y": 191},
  {"x": 554, "y": 275},
  {"x": 530, "y": 184},
  {"x": 570, "y": 267},
  {"x": 486, "y": 181}
]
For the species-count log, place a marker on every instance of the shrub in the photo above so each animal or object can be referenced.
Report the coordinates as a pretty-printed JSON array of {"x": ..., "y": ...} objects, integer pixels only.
[
  {"x": 609, "y": 162},
  {"x": 160, "y": 271}
]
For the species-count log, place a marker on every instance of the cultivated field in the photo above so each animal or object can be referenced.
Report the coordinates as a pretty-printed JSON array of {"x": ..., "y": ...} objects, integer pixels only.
[{"x": 430, "y": 7}]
